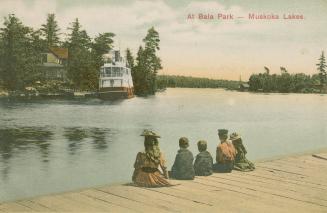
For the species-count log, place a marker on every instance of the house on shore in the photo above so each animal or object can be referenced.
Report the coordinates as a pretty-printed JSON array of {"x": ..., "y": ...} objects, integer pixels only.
[
  {"x": 54, "y": 64},
  {"x": 244, "y": 87}
]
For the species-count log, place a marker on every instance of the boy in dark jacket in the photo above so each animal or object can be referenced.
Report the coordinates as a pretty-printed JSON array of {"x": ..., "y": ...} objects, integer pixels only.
[
  {"x": 183, "y": 165},
  {"x": 204, "y": 161}
]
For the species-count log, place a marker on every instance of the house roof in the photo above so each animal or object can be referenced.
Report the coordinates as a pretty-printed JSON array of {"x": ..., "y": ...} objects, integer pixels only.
[
  {"x": 245, "y": 85},
  {"x": 60, "y": 52}
]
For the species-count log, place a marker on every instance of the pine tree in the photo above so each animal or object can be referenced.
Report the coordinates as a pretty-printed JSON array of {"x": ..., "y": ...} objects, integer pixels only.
[
  {"x": 153, "y": 61},
  {"x": 139, "y": 73},
  {"x": 19, "y": 55},
  {"x": 101, "y": 45},
  {"x": 78, "y": 38},
  {"x": 321, "y": 67},
  {"x": 50, "y": 31},
  {"x": 129, "y": 59},
  {"x": 147, "y": 64},
  {"x": 81, "y": 66}
]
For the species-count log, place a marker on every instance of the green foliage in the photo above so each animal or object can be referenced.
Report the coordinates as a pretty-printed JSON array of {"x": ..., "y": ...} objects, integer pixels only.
[
  {"x": 19, "y": 54},
  {"x": 256, "y": 82},
  {"x": 283, "y": 82},
  {"x": 164, "y": 81},
  {"x": 78, "y": 44},
  {"x": 21, "y": 48},
  {"x": 50, "y": 31},
  {"x": 147, "y": 65},
  {"x": 321, "y": 67},
  {"x": 101, "y": 45},
  {"x": 85, "y": 56},
  {"x": 129, "y": 58}
]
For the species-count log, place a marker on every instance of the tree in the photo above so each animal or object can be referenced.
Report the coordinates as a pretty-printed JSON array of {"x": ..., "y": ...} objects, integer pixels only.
[
  {"x": 81, "y": 67},
  {"x": 165, "y": 81},
  {"x": 283, "y": 70},
  {"x": 255, "y": 82},
  {"x": 139, "y": 73},
  {"x": 129, "y": 58},
  {"x": 78, "y": 38},
  {"x": 266, "y": 80},
  {"x": 153, "y": 61},
  {"x": 321, "y": 67},
  {"x": 20, "y": 54},
  {"x": 50, "y": 31},
  {"x": 148, "y": 64},
  {"x": 85, "y": 56},
  {"x": 300, "y": 82},
  {"x": 101, "y": 45}
]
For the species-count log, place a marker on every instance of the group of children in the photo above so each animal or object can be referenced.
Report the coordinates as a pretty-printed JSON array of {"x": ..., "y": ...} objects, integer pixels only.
[
  {"x": 230, "y": 154},
  {"x": 183, "y": 167}
]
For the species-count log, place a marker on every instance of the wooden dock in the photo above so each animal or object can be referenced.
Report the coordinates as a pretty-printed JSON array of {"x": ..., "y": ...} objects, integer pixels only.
[{"x": 291, "y": 184}]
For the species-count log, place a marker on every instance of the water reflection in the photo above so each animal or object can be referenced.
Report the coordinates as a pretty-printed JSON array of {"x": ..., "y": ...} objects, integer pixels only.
[
  {"x": 78, "y": 135},
  {"x": 20, "y": 139},
  {"x": 75, "y": 136},
  {"x": 99, "y": 138},
  {"x": 25, "y": 141}
]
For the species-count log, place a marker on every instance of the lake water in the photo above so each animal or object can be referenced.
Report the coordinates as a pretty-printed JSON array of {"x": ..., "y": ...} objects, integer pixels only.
[{"x": 54, "y": 146}]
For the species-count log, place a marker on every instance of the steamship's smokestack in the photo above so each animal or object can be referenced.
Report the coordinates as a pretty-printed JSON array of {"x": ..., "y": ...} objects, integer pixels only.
[{"x": 117, "y": 55}]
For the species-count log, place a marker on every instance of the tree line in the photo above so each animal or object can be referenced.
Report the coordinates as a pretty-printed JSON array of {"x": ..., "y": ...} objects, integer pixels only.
[
  {"x": 21, "y": 49},
  {"x": 286, "y": 82},
  {"x": 146, "y": 64},
  {"x": 164, "y": 81}
]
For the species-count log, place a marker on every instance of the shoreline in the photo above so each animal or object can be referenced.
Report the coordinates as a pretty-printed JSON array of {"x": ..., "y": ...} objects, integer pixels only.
[{"x": 90, "y": 95}]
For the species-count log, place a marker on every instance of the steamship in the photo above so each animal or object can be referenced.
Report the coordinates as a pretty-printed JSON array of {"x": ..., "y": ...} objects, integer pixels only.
[{"x": 115, "y": 80}]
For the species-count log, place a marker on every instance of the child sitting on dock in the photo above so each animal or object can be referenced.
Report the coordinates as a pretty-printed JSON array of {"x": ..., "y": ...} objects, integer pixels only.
[
  {"x": 203, "y": 161},
  {"x": 225, "y": 154},
  {"x": 241, "y": 163},
  {"x": 183, "y": 165},
  {"x": 146, "y": 173}
]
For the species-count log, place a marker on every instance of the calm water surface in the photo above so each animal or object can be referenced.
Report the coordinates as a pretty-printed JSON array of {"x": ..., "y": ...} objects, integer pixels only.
[{"x": 54, "y": 146}]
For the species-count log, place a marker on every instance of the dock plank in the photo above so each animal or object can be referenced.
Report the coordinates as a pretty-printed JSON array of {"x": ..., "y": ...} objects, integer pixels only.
[
  {"x": 34, "y": 206},
  {"x": 281, "y": 186},
  {"x": 124, "y": 202},
  {"x": 100, "y": 205},
  {"x": 274, "y": 201},
  {"x": 275, "y": 191},
  {"x": 166, "y": 202},
  {"x": 297, "y": 183},
  {"x": 14, "y": 207}
]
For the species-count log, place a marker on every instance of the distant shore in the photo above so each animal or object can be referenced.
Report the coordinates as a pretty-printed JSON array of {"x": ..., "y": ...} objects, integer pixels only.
[{"x": 21, "y": 95}]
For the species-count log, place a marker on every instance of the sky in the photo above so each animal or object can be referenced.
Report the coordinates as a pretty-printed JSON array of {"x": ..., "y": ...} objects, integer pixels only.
[{"x": 220, "y": 49}]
